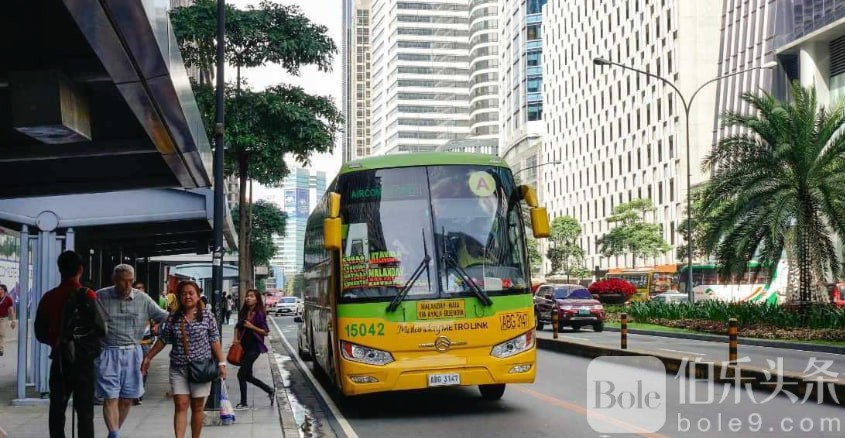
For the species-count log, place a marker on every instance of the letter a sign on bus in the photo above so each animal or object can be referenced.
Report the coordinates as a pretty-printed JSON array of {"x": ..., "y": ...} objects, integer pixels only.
[{"x": 481, "y": 183}]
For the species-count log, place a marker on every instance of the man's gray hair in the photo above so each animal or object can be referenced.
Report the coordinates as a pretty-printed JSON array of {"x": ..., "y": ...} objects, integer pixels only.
[{"x": 123, "y": 267}]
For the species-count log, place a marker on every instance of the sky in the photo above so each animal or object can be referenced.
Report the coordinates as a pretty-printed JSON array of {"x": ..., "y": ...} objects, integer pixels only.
[{"x": 329, "y": 14}]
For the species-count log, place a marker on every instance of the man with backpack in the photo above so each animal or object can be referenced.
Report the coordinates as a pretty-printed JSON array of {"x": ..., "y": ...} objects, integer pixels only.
[{"x": 71, "y": 321}]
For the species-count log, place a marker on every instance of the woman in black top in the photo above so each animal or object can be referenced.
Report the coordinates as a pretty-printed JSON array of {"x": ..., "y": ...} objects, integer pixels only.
[{"x": 250, "y": 332}]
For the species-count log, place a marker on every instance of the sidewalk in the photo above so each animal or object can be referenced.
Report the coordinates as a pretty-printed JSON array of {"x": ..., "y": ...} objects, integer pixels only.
[{"x": 155, "y": 417}]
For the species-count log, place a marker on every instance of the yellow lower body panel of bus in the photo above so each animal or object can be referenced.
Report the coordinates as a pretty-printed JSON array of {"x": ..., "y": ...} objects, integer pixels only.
[{"x": 420, "y": 370}]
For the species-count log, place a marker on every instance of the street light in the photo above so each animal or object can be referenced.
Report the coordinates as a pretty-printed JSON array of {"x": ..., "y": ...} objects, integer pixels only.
[
  {"x": 536, "y": 166},
  {"x": 687, "y": 105}
]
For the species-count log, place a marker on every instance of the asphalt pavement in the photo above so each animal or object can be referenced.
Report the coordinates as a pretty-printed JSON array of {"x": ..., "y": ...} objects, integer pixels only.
[
  {"x": 554, "y": 406},
  {"x": 763, "y": 357}
]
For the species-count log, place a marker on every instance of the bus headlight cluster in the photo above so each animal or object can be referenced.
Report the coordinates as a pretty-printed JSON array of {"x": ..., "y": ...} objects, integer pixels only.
[
  {"x": 513, "y": 346},
  {"x": 367, "y": 355}
]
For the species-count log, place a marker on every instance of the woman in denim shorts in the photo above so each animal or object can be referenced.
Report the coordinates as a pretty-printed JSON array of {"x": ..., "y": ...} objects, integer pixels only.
[{"x": 203, "y": 340}]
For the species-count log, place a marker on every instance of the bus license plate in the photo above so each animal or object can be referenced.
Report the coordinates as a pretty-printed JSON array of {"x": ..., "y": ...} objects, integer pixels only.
[{"x": 444, "y": 379}]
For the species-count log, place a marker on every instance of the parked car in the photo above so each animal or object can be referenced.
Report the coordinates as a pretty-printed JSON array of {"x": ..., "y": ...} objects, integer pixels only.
[
  {"x": 671, "y": 296},
  {"x": 287, "y": 305},
  {"x": 576, "y": 306}
]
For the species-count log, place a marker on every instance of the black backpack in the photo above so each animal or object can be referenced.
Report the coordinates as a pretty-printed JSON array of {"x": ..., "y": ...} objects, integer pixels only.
[{"x": 81, "y": 328}]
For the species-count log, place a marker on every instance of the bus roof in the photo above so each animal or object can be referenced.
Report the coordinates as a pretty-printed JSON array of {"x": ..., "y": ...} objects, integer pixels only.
[{"x": 421, "y": 159}]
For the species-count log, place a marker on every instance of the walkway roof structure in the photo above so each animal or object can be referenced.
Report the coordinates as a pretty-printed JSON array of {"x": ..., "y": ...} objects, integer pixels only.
[{"x": 94, "y": 97}]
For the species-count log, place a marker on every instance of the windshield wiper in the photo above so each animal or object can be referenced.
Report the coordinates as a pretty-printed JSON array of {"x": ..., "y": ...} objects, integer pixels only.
[
  {"x": 416, "y": 275},
  {"x": 485, "y": 299}
]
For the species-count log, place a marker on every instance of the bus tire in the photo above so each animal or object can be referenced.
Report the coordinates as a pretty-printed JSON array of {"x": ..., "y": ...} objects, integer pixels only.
[
  {"x": 492, "y": 392},
  {"x": 597, "y": 327},
  {"x": 540, "y": 323}
]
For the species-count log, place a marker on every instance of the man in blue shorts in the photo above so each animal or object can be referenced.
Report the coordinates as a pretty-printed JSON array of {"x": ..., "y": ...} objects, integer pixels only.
[{"x": 119, "y": 380}]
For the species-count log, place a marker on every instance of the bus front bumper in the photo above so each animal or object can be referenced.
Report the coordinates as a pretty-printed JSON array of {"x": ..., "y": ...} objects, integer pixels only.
[{"x": 420, "y": 370}]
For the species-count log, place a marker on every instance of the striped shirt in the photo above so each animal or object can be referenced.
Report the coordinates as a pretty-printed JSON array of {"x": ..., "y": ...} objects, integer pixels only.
[
  {"x": 199, "y": 334},
  {"x": 127, "y": 318}
]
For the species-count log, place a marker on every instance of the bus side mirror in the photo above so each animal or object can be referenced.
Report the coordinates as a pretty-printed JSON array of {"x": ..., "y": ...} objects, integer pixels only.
[
  {"x": 331, "y": 233},
  {"x": 529, "y": 195},
  {"x": 334, "y": 204},
  {"x": 540, "y": 222}
]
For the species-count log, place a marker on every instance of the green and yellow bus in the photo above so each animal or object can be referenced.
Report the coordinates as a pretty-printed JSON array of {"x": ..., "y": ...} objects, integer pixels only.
[{"x": 416, "y": 275}]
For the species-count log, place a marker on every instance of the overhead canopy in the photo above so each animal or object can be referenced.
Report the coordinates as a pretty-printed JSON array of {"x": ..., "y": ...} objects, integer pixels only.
[
  {"x": 94, "y": 97},
  {"x": 147, "y": 222}
]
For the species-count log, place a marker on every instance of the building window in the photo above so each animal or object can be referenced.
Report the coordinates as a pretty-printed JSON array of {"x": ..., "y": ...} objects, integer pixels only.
[
  {"x": 534, "y": 58},
  {"x": 535, "y": 111},
  {"x": 533, "y": 32}
]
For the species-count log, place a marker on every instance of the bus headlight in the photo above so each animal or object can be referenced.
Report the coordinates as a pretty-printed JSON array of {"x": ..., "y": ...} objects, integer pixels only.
[
  {"x": 367, "y": 355},
  {"x": 513, "y": 346}
]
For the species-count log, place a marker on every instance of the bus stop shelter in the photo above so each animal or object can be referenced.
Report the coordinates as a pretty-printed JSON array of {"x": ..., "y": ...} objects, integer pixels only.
[{"x": 102, "y": 147}]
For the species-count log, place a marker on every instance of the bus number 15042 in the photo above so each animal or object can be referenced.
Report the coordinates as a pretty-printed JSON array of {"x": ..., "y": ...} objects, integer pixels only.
[{"x": 360, "y": 330}]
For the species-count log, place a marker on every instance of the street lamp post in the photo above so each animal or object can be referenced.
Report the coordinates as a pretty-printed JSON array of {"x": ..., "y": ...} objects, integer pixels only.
[
  {"x": 213, "y": 402},
  {"x": 687, "y": 104},
  {"x": 535, "y": 166}
]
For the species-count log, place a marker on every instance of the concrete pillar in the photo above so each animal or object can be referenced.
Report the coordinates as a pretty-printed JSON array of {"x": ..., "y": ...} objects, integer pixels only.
[{"x": 814, "y": 61}]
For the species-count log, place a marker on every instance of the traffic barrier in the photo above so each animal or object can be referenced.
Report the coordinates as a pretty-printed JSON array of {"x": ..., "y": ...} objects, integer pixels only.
[
  {"x": 732, "y": 341},
  {"x": 624, "y": 331},
  {"x": 555, "y": 320}
]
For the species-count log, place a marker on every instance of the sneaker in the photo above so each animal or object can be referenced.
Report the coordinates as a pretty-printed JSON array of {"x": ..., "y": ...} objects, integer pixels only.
[
  {"x": 241, "y": 407},
  {"x": 137, "y": 402}
]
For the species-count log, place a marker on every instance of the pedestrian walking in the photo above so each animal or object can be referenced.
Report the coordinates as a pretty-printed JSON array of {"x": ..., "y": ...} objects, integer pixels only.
[
  {"x": 227, "y": 308},
  {"x": 250, "y": 332},
  {"x": 70, "y": 320},
  {"x": 7, "y": 316},
  {"x": 192, "y": 333},
  {"x": 118, "y": 369}
]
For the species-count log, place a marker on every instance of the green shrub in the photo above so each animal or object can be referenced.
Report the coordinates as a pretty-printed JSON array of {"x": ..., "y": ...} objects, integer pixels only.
[{"x": 747, "y": 314}]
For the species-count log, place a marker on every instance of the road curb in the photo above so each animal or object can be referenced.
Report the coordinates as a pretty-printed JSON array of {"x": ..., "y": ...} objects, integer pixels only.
[
  {"x": 286, "y": 418},
  {"x": 715, "y": 371},
  {"x": 742, "y": 341}
]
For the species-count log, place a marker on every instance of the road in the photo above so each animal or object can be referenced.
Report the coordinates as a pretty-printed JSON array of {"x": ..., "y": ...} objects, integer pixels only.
[
  {"x": 554, "y": 406},
  {"x": 792, "y": 360}
]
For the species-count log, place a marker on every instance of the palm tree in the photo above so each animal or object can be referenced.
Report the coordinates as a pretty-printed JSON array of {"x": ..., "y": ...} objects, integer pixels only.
[{"x": 779, "y": 186}]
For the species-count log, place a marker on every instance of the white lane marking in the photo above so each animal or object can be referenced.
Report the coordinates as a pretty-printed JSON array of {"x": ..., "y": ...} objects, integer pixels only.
[
  {"x": 341, "y": 420},
  {"x": 683, "y": 352}
]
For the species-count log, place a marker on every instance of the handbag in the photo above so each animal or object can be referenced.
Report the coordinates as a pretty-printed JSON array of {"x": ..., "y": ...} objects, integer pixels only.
[
  {"x": 236, "y": 353},
  {"x": 199, "y": 370}
]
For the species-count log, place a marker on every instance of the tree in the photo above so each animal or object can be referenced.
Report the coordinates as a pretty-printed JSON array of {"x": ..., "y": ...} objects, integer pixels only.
[
  {"x": 632, "y": 234},
  {"x": 269, "y": 34},
  {"x": 780, "y": 187},
  {"x": 296, "y": 286},
  {"x": 268, "y": 220},
  {"x": 261, "y": 127},
  {"x": 701, "y": 223},
  {"x": 564, "y": 252},
  {"x": 535, "y": 260}
]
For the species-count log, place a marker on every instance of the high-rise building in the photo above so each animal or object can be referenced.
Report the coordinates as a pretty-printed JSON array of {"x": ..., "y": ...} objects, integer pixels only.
[
  {"x": 484, "y": 70},
  {"x": 420, "y": 74},
  {"x": 521, "y": 84},
  {"x": 620, "y": 134},
  {"x": 356, "y": 78},
  {"x": 300, "y": 192}
]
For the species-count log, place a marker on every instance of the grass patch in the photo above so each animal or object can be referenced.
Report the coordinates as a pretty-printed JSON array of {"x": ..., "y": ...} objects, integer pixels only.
[{"x": 664, "y": 329}]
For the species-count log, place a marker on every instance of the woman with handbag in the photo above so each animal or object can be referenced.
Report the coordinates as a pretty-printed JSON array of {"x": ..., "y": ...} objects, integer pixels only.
[
  {"x": 250, "y": 332},
  {"x": 196, "y": 357}
]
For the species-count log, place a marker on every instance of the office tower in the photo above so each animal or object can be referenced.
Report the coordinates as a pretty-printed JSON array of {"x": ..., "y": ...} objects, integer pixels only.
[
  {"x": 521, "y": 84},
  {"x": 300, "y": 192},
  {"x": 420, "y": 74},
  {"x": 356, "y": 78},
  {"x": 620, "y": 134}
]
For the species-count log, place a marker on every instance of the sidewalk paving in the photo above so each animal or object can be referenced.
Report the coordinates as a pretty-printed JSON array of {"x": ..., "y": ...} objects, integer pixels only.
[{"x": 154, "y": 418}]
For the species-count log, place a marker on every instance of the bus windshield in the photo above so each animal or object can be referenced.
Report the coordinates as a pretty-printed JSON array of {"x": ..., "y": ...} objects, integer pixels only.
[{"x": 459, "y": 227}]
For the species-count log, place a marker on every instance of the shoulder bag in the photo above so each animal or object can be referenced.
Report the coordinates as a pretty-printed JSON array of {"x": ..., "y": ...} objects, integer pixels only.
[
  {"x": 236, "y": 351},
  {"x": 200, "y": 370}
]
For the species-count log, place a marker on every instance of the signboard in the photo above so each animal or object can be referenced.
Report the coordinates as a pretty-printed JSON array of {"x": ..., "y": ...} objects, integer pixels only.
[{"x": 303, "y": 204}]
